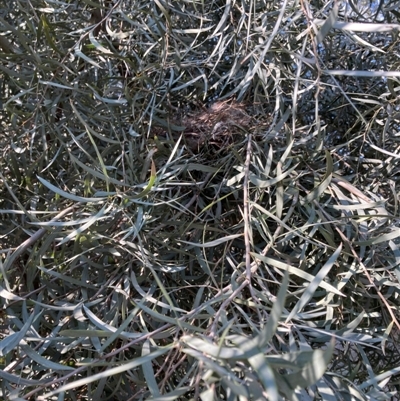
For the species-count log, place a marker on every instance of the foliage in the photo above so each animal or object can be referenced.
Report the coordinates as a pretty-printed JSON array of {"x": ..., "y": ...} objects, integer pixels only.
[{"x": 199, "y": 200}]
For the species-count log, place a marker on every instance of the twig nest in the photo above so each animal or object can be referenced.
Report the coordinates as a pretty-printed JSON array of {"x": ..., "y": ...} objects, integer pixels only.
[{"x": 216, "y": 125}]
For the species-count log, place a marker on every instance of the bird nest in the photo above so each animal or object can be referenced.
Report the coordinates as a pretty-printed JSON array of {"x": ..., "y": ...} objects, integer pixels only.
[{"x": 215, "y": 126}]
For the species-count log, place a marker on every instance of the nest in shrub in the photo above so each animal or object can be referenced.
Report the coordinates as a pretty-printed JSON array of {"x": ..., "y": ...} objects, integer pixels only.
[{"x": 216, "y": 125}]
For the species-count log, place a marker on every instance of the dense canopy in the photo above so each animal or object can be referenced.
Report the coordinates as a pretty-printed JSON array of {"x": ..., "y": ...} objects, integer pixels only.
[{"x": 199, "y": 200}]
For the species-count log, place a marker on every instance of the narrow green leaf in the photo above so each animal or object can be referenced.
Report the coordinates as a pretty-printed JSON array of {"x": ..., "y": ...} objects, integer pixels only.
[
  {"x": 214, "y": 350},
  {"x": 314, "y": 284},
  {"x": 213, "y": 243},
  {"x": 11, "y": 341},
  {"x": 313, "y": 369},
  {"x": 94, "y": 219},
  {"x": 78, "y": 52},
  {"x": 68, "y": 195},
  {"x": 109, "y": 372},
  {"x": 41, "y": 361},
  {"x": 298, "y": 272},
  {"x": 48, "y": 32},
  {"x": 262, "y": 183},
  {"x": 149, "y": 186},
  {"x": 265, "y": 374},
  {"x": 329, "y": 23},
  {"x": 320, "y": 189},
  {"x": 269, "y": 330},
  {"x": 380, "y": 238},
  {"x": 148, "y": 371}
]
